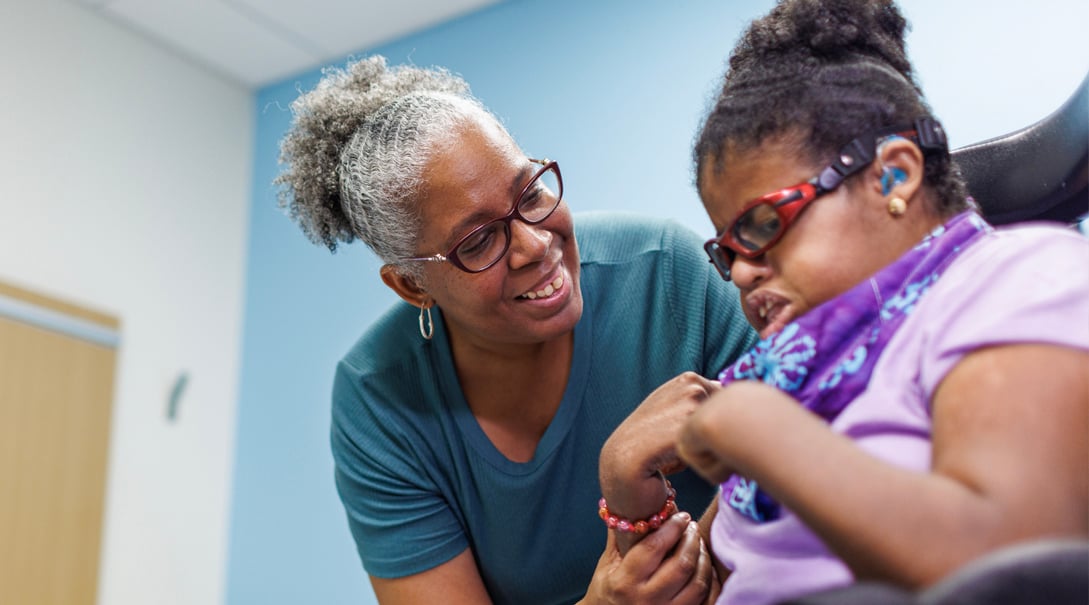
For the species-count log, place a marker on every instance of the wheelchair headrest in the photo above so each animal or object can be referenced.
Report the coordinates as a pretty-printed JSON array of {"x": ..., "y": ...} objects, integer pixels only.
[{"x": 1039, "y": 172}]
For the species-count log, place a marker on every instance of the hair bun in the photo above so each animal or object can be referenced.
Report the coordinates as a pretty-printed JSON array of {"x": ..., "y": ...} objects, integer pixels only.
[
  {"x": 828, "y": 31},
  {"x": 324, "y": 121}
]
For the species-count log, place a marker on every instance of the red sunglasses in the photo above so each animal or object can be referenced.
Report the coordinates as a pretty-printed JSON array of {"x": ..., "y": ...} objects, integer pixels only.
[{"x": 763, "y": 222}]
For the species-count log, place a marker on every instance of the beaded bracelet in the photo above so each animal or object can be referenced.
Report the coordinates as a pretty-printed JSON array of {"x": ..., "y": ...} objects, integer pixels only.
[{"x": 643, "y": 526}]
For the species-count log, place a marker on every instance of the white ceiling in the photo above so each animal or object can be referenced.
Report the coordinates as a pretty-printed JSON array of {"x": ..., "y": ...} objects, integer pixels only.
[{"x": 257, "y": 42}]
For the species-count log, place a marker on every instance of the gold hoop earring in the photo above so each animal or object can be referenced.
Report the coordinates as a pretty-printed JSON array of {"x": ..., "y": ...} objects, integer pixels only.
[
  {"x": 427, "y": 329},
  {"x": 897, "y": 206}
]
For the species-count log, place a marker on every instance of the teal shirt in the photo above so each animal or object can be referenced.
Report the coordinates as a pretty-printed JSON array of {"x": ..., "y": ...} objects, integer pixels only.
[{"x": 421, "y": 482}]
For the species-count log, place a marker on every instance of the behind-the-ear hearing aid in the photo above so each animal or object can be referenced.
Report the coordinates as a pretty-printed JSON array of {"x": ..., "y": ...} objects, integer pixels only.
[{"x": 891, "y": 177}]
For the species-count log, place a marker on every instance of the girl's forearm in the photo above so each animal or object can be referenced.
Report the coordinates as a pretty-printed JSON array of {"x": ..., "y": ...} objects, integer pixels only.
[{"x": 874, "y": 516}]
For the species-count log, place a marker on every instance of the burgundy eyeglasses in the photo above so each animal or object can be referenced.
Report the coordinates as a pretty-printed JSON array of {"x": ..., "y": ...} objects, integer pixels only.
[{"x": 485, "y": 245}]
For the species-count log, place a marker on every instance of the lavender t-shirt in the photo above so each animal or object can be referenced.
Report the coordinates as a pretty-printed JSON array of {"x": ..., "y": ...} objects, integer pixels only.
[{"x": 1028, "y": 283}]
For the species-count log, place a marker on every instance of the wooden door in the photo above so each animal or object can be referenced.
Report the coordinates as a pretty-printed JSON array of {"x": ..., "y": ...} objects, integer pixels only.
[{"x": 56, "y": 390}]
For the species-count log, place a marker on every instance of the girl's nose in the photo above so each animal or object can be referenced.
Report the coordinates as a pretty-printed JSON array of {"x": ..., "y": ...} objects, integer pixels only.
[{"x": 746, "y": 273}]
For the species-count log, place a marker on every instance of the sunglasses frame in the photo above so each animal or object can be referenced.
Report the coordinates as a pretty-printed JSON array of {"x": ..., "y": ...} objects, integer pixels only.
[{"x": 789, "y": 202}]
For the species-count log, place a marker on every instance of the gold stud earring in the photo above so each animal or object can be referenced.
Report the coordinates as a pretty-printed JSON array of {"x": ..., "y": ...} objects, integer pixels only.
[{"x": 897, "y": 206}]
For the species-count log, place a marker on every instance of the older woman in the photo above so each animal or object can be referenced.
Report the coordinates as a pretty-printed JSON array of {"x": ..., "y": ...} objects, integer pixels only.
[
  {"x": 467, "y": 424},
  {"x": 921, "y": 392}
]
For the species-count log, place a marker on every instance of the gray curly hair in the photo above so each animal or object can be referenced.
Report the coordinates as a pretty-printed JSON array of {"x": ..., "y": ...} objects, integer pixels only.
[{"x": 357, "y": 148}]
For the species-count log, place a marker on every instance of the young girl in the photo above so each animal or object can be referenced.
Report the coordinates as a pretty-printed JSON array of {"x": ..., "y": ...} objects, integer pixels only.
[{"x": 921, "y": 393}]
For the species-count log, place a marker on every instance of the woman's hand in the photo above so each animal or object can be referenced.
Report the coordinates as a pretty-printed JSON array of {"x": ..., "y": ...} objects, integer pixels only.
[{"x": 671, "y": 565}]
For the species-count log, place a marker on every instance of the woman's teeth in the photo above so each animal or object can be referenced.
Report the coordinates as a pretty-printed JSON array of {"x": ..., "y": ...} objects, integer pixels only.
[{"x": 547, "y": 291}]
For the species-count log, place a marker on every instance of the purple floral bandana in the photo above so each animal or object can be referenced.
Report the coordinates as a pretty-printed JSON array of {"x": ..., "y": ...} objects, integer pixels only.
[{"x": 824, "y": 358}]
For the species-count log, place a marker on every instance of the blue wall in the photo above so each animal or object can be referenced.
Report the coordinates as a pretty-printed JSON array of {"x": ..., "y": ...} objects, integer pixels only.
[{"x": 614, "y": 90}]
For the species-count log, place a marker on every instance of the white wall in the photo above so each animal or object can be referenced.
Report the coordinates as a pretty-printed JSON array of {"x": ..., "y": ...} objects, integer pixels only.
[{"x": 124, "y": 187}]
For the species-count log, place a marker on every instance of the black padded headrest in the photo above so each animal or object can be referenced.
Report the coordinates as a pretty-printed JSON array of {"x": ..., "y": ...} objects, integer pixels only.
[{"x": 1039, "y": 172}]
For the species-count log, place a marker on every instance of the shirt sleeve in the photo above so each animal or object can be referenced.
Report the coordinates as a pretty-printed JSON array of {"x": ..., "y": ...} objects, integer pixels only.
[
  {"x": 398, "y": 517},
  {"x": 706, "y": 305},
  {"x": 1024, "y": 285}
]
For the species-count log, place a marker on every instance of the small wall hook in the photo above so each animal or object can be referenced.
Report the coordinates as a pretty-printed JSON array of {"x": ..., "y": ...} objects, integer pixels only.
[{"x": 175, "y": 396}]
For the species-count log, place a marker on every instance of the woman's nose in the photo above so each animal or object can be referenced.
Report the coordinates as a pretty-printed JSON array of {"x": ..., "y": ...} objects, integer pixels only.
[{"x": 528, "y": 243}]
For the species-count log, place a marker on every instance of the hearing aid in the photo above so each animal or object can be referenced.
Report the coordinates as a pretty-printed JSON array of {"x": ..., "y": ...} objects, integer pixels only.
[{"x": 891, "y": 177}]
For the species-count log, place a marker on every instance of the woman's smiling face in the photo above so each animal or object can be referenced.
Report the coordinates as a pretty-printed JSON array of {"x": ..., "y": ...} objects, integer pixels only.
[{"x": 532, "y": 294}]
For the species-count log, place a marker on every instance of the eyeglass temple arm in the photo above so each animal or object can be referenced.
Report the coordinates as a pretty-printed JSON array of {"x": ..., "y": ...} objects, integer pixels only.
[
  {"x": 436, "y": 258},
  {"x": 926, "y": 132}
]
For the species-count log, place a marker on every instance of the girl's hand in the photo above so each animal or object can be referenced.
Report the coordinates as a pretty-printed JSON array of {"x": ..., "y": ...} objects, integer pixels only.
[
  {"x": 721, "y": 429},
  {"x": 644, "y": 446}
]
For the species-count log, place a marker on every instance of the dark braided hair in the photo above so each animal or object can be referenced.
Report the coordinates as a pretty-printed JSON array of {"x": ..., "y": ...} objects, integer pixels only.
[{"x": 820, "y": 73}]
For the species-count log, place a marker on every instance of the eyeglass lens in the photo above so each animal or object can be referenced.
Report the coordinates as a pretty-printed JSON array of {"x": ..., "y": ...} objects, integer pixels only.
[
  {"x": 490, "y": 242},
  {"x": 757, "y": 227},
  {"x": 722, "y": 257}
]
